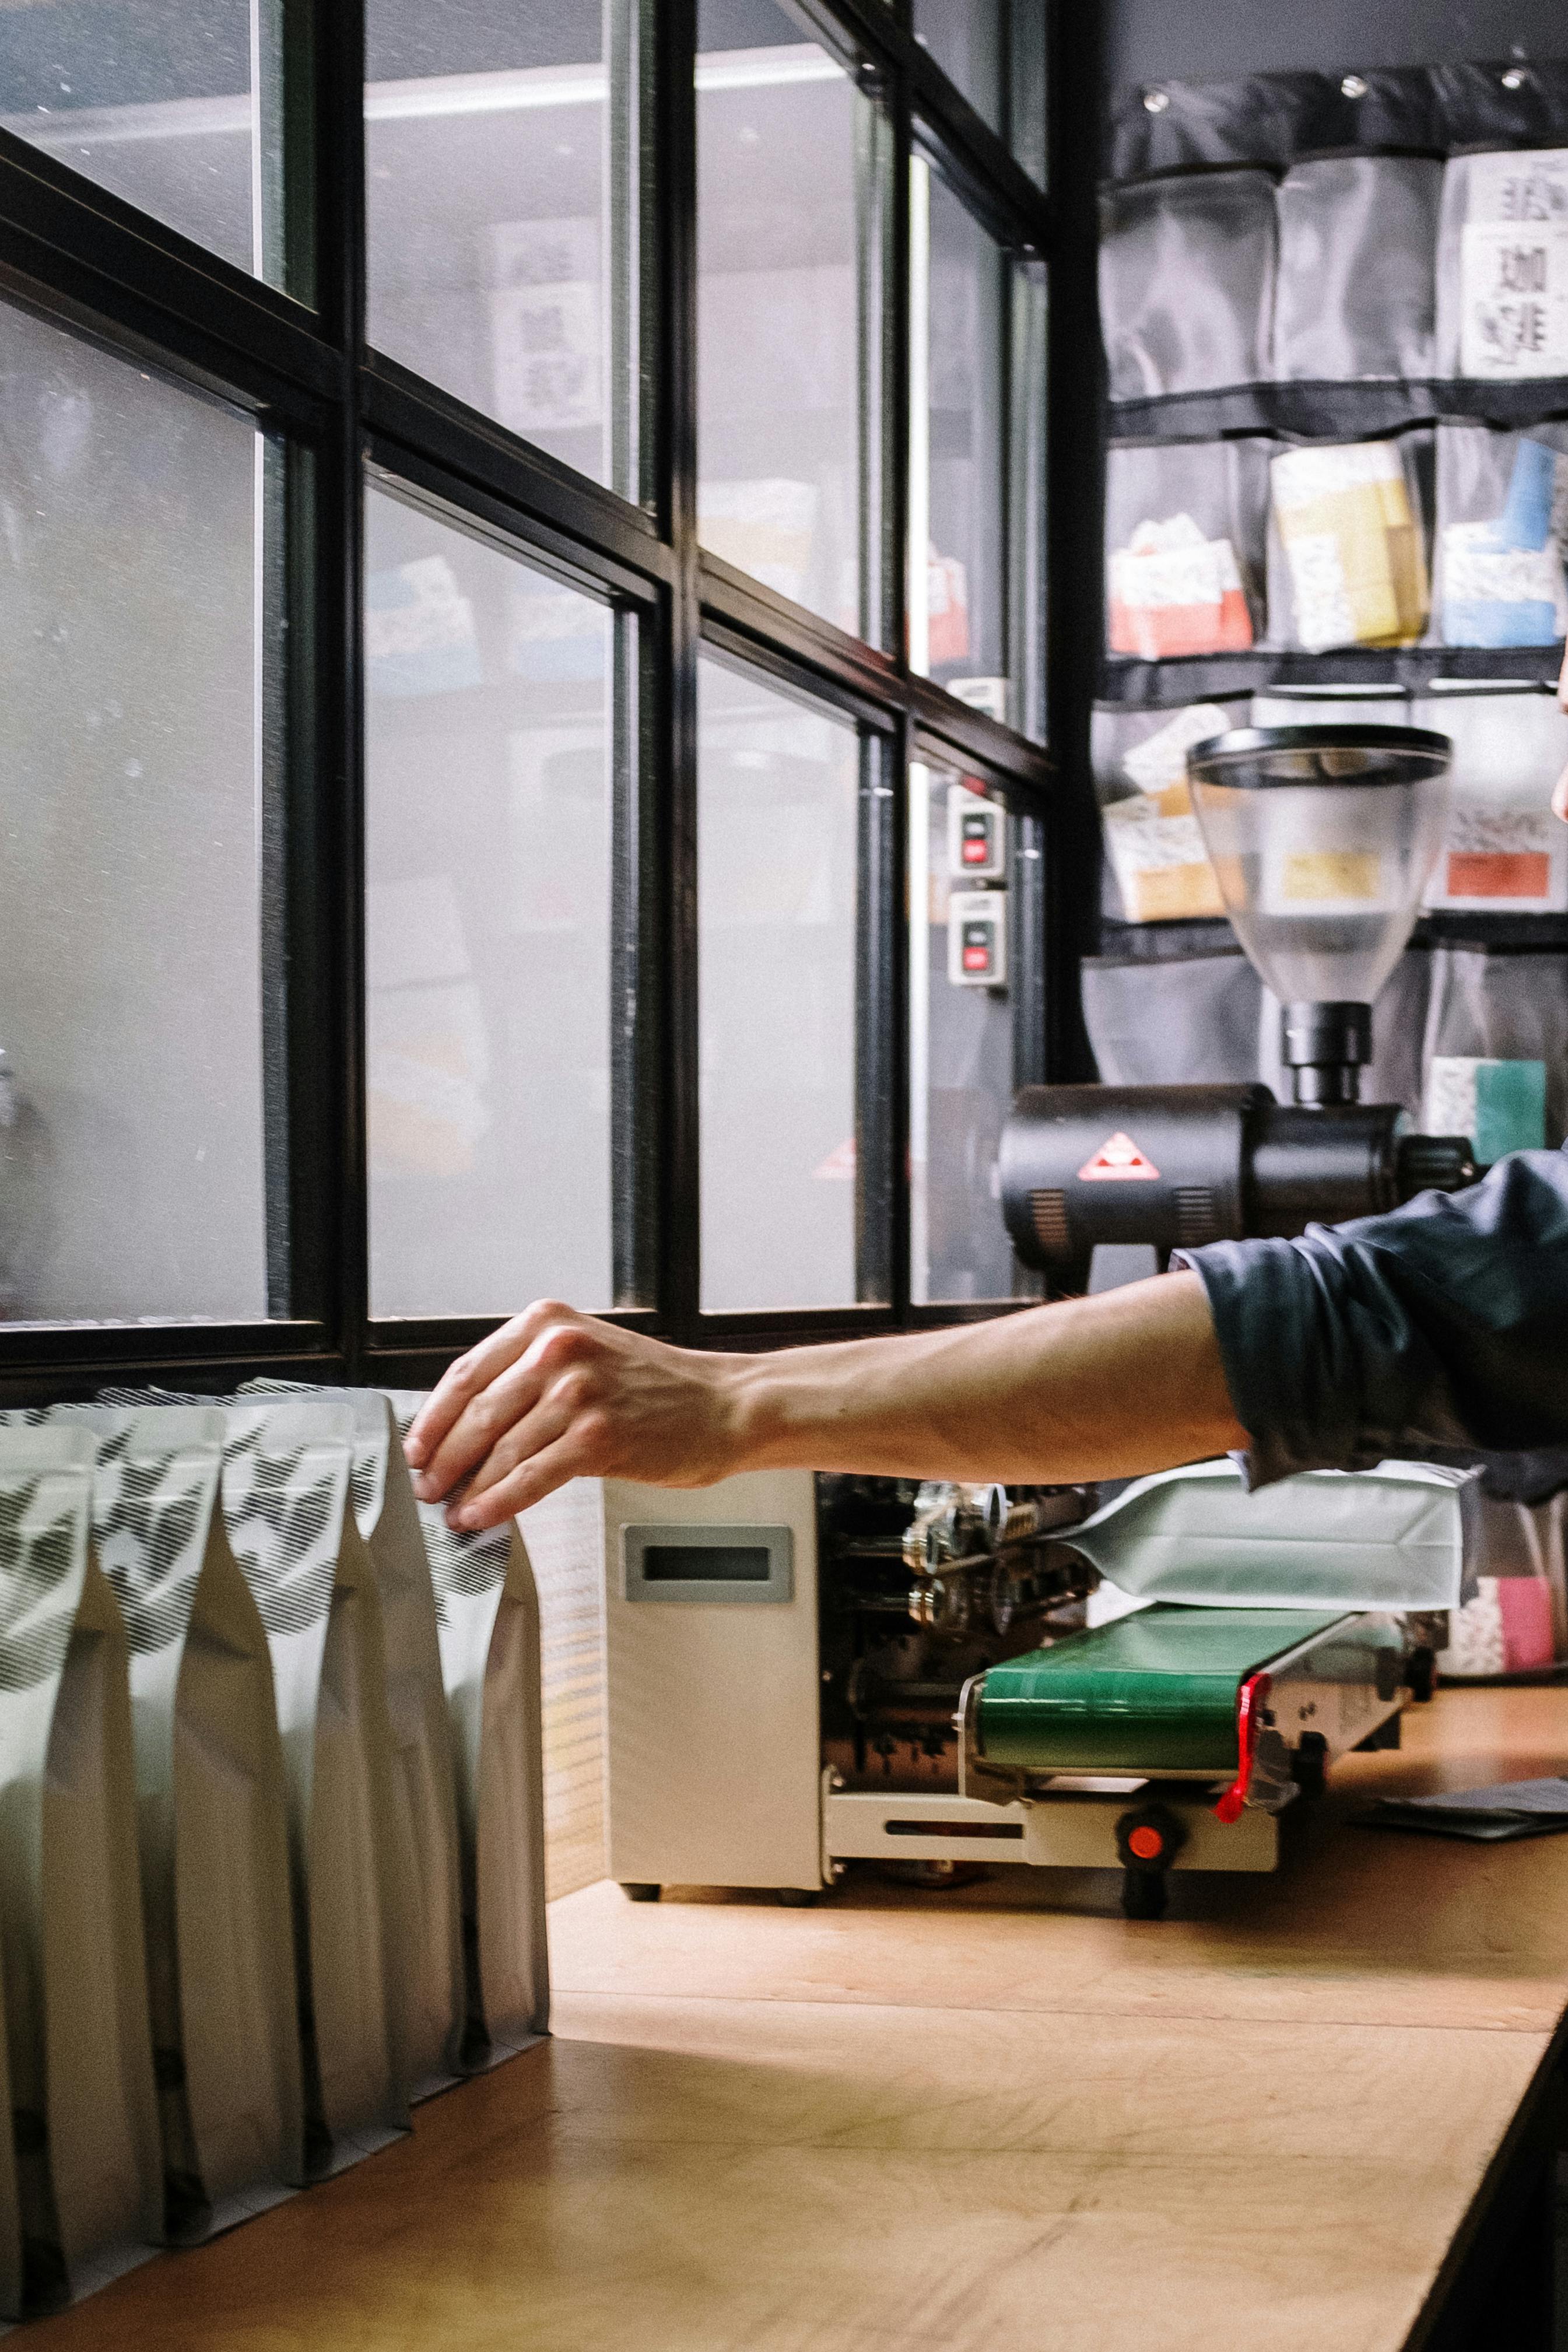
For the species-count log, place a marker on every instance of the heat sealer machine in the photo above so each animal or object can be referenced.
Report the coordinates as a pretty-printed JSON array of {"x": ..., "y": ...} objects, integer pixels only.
[{"x": 804, "y": 1676}]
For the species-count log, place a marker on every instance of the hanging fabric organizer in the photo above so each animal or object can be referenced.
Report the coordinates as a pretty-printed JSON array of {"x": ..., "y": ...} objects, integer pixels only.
[{"x": 1334, "y": 309}]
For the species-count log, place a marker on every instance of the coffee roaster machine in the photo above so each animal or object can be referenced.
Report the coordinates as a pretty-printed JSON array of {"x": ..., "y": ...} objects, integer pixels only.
[{"x": 809, "y": 1672}]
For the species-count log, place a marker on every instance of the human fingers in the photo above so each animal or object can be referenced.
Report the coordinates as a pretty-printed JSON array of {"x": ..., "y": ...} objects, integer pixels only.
[
  {"x": 1560, "y": 797},
  {"x": 529, "y": 1483},
  {"x": 472, "y": 1373},
  {"x": 559, "y": 1412},
  {"x": 510, "y": 1398}
]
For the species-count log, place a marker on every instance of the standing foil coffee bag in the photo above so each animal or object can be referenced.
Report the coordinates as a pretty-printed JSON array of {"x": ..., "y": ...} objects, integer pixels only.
[
  {"x": 429, "y": 1964},
  {"x": 211, "y": 1814},
  {"x": 286, "y": 1489},
  {"x": 488, "y": 1612},
  {"x": 82, "y": 2186}
]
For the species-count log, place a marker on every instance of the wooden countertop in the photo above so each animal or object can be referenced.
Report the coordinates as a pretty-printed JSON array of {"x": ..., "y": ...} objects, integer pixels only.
[{"x": 1000, "y": 2119}]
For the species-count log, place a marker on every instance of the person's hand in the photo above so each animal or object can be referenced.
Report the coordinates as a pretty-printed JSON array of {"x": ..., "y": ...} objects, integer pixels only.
[
  {"x": 1559, "y": 794},
  {"x": 555, "y": 1395}
]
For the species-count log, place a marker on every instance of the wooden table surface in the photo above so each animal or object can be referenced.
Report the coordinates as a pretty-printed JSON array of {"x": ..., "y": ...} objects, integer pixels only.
[{"x": 1001, "y": 2119}]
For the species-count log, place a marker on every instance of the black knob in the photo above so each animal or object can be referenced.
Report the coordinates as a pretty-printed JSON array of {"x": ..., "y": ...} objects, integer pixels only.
[{"x": 1433, "y": 1163}]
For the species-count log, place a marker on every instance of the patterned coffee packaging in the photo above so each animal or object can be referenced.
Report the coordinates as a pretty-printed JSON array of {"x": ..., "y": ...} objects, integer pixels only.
[{"x": 81, "y": 2179}]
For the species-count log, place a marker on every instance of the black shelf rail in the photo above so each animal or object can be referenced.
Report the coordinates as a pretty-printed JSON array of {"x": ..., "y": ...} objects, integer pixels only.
[{"x": 293, "y": 357}]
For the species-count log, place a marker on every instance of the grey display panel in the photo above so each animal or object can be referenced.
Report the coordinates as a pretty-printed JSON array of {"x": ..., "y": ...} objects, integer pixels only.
[{"x": 708, "y": 1564}]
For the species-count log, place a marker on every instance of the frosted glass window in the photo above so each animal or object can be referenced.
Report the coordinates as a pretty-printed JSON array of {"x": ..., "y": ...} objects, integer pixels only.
[
  {"x": 487, "y": 195},
  {"x": 960, "y": 1044},
  {"x": 157, "y": 101},
  {"x": 960, "y": 283},
  {"x": 488, "y": 827},
  {"x": 778, "y": 307},
  {"x": 778, "y": 788},
  {"x": 132, "y": 1152}
]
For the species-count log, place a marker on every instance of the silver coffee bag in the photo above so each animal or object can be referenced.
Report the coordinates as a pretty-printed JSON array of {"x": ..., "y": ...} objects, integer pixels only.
[
  {"x": 429, "y": 1964},
  {"x": 287, "y": 1464},
  {"x": 487, "y": 1611},
  {"x": 81, "y": 2182},
  {"x": 212, "y": 1814}
]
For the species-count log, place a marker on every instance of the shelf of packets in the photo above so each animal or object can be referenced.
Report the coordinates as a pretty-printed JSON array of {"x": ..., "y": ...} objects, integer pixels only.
[
  {"x": 1447, "y": 539},
  {"x": 271, "y": 1837},
  {"x": 1300, "y": 289},
  {"x": 1503, "y": 853}
]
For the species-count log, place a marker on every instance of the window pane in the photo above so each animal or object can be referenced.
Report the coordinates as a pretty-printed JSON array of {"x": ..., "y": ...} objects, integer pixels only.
[
  {"x": 488, "y": 778},
  {"x": 958, "y": 613},
  {"x": 487, "y": 212},
  {"x": 778, "y": 790},
  {"x": 157, "y": 99},
  {"x": 960, "y": 1040},
  {"x": 994, "y": 52},
  {"x": 131, "y": 1112},
  {"x": 778, "y": 307}
]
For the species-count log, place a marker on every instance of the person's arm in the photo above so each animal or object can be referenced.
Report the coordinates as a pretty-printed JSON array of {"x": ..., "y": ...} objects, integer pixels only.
[
  {"x": 1444, "y": 1323},
  {"x": 1091, "y": 1387}
]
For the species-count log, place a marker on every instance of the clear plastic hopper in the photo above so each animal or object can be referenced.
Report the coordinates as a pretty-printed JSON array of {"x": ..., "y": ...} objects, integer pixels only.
[{"x": 1322, "y": 839}]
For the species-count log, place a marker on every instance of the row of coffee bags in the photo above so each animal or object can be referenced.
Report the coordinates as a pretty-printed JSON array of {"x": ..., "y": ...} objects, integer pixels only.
[
  {"x": 1457, "y": 537},
  {"x": 271, "y": 1820}
]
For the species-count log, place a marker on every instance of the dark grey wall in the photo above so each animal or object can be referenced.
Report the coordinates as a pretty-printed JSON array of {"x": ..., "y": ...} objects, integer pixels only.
[{"x": 1200, "y": 40}]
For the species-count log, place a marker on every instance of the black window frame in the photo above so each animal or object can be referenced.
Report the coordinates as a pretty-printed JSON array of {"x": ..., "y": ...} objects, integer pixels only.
[{"x": 83, "y": 258}]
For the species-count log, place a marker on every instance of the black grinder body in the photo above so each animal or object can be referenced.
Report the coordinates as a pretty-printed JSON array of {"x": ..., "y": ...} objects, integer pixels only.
[{"x": 1174, "y": 1167}]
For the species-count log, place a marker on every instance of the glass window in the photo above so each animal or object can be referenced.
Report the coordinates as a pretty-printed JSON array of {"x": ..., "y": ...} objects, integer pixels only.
[
  {"x": 487, "y": 210},
  {"x": 994, "y": 52},
  {"x": 779, "y": 449},
  {"x": 778, "y": 792},
  {"x": 160, "y": 102},
  {"x": 132, "y": 1148},
  {"x": 960, "y": 1038},
  {"x": 490, "y": 748},
  {"x": 957, "y": 450}
]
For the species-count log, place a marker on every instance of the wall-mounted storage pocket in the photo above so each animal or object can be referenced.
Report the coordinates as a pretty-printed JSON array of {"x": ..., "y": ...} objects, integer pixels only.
[
  {"x": 1157, "y": 855},
  {"x": 1510, "y": 1008},
  {"x": 1502, "y": 267},
  {"x": 1504, "y": 853},
  {"x": 1184, "y": 541},
  {"x": 1187, "y": 283},
  {"x": 1498, "y": 556},
  {"x": 1357, "y": 238},
  {"x": 1347, "y": 563},
  {"x": 1188, "y": 1022}
]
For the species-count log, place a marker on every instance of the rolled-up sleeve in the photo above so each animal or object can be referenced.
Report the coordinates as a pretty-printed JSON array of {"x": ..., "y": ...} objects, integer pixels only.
[{"x": 1443, "y": 1324}]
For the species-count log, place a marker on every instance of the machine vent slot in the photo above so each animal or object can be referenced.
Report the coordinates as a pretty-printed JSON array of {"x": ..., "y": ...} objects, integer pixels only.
[
  {"x": 1197, "y": 1220},
  {"x": 1048, "y": 1213},
  {"x": 953, "y": 1828}
]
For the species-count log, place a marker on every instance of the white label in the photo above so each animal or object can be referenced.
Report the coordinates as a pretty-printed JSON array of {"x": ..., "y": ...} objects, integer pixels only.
[
  {"x": 546, "y": 342},
  {"x": 1477, "y": 572},
  {"x": 1167, "y": 565},
  {"x": 1514, "y": 297},
  {"x": 1528, "y": 184},
  {"x": 1301, "y": 475}
]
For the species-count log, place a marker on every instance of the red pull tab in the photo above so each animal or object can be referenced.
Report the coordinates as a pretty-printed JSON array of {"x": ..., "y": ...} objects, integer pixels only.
[{"x": 1250, "y": 1701}]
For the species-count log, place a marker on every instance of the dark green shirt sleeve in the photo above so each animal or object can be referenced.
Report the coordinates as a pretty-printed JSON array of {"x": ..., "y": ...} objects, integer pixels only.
[{"x": 1443, "y": 1324}]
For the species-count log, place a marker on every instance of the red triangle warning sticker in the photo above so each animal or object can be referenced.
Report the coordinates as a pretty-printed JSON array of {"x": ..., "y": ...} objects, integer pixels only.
[{"x": 1119, "y": 1162}]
